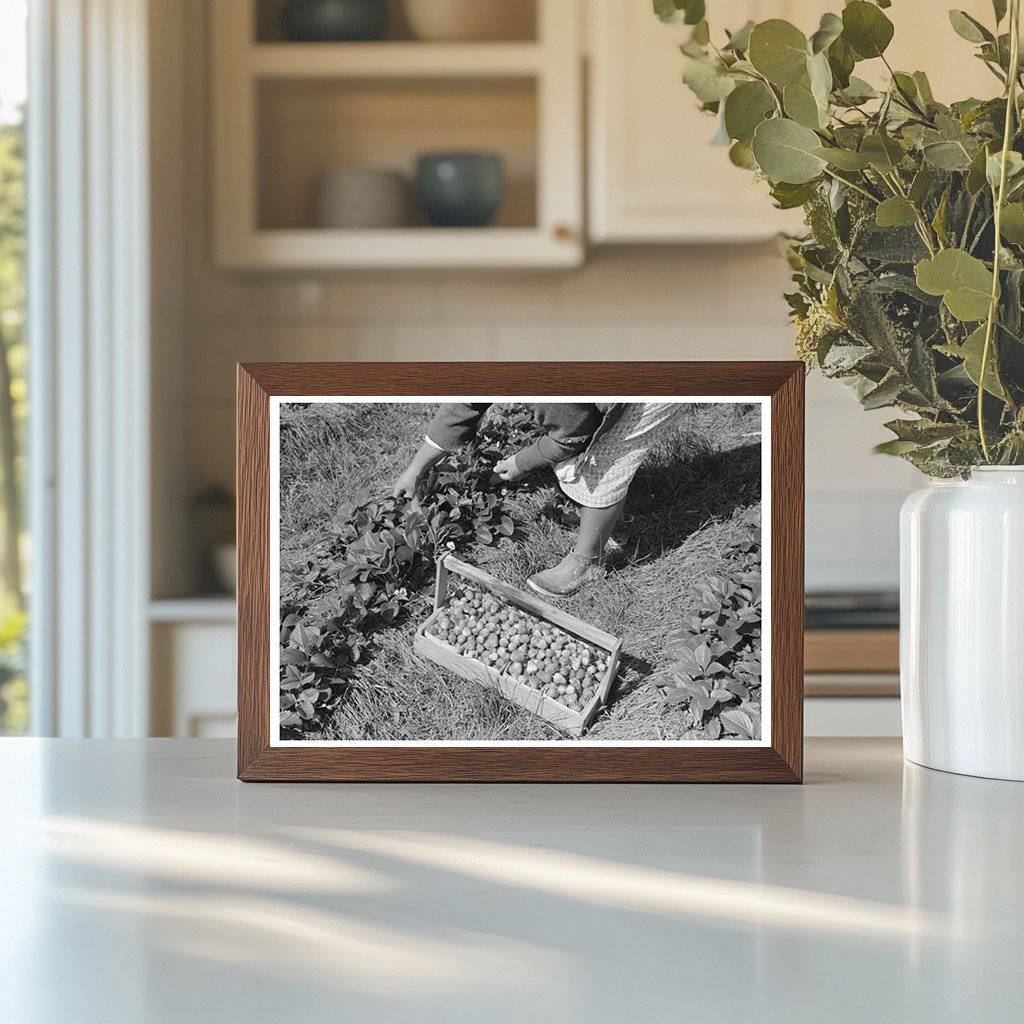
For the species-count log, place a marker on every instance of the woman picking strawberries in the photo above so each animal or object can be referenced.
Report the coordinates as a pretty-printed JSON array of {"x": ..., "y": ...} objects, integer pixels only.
[{"x": 595, "y": 450}]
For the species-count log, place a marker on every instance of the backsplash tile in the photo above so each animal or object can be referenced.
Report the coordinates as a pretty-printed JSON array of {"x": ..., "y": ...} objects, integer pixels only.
[{"x": 716, "y": 303}]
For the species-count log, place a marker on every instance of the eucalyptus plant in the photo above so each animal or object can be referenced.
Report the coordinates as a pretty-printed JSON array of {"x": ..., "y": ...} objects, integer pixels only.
[{"x": 910, "y": 278}]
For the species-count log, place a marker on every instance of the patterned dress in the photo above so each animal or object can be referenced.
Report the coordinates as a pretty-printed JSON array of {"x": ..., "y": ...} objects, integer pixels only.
[{"x": 600, "y": 476}]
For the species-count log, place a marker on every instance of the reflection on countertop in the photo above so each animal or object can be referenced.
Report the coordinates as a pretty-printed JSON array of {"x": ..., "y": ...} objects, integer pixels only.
[{"x": 140, "y": 882}]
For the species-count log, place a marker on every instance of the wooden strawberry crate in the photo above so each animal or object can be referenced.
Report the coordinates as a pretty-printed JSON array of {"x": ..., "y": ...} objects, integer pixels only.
[{"x": 567, "y": 719}]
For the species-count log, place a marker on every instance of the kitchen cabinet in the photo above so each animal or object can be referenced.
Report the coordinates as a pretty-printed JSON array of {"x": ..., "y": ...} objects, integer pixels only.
[
  {"x": 192, "y": 650},
  {"x": 288, "y": 114}
]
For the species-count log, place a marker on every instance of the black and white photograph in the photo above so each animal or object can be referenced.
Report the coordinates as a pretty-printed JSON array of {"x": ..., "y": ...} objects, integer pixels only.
[{"x": 510, "y": 571}]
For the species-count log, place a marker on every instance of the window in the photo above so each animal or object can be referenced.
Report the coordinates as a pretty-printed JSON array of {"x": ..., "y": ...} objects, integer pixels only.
[{"x": 14, "y": 694}]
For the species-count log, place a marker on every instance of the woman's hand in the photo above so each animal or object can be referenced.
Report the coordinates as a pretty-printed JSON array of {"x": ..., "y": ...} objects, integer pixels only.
[
  {"x": 507, "y": 469},
  {"x": 407, "y": 484}
]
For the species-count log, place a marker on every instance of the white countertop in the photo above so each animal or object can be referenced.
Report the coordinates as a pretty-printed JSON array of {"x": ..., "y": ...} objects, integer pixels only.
[{"x": 139, "y": 882}]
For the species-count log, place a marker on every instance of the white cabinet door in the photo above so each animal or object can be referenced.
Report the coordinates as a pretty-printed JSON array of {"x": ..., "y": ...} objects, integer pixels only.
[{"x": 654, "y": 177}]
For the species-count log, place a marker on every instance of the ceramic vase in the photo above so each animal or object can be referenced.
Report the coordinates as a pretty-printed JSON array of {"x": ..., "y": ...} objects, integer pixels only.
[{"x": 962, "y": 624}]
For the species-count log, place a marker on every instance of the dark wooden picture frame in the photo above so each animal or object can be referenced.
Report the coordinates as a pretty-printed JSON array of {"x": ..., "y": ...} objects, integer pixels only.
[{"x": 779, "y": 761}]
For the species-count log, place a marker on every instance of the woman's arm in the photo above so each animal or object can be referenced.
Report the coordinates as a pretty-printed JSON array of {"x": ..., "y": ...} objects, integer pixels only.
[
  {"x": 455, "y": 423},
  {"x": 570, "y": 428}
]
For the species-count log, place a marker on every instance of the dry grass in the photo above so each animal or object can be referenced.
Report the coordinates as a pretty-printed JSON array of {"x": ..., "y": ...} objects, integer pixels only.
[{"x": 679, "y": 520}]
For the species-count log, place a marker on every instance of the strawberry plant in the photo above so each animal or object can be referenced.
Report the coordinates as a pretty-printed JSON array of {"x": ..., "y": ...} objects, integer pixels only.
[
  {"x": 715, "y": 676},
  {"x": 377, "y": 559}
]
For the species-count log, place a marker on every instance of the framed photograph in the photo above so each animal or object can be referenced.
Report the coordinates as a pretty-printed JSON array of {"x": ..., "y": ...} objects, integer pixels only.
[{"x": 520, "y": 571}]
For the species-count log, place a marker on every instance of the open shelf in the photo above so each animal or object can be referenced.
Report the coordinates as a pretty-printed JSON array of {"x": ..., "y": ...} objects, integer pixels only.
[
  {"x": 308, "y": 127},
  {"x": 406, "y": 248}
]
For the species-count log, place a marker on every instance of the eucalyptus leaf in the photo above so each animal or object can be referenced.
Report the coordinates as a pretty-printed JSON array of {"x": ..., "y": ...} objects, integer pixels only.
[
  {"x": 801, "y": 106},
  {"x": 963, "y": 281},
  {"x": 693, "y": 10},
  {"x": 867, "y": 319},
  {"x": 976, "y": 176},
  {"x": 883, "y": 395},
  {"x": 947, "y": 156},
  {"x": 896, "y": 447},
  {"x": 844, "y": 159},
  {"x": 972, "y": 351},
  {"x": 866, "y": 29},
  {"x": 701, "y": 34},
  {"x": 892, "y": 278},
  {"x": 1012, "y": 223},
  {"x": 690, "y": 12},
  {"x": 922, "y": 185},
  {"x": 889, "y": 246},
  {"x": 906, "y": 84},
  {"x": 922, "y": 431},
  {"x": 788, "y": 196},
  {"x": 819, "y": 76},
  {"x": 721, "y": 136},
  {"x": 739, "y": 41},
  {"x": 786, "y": 151},
  {"x": 745, "y": 108},
  {"x": 993, "y": 167},
  {"x": 857, "y": 91},
  {"x": 829, "y": 30},
  {"x": 666, "y": 10},
  {"x": 924, "y": 87},
  {"x": 882, "y": 152},
  {"x": 707, "y": 78},
  {"x": 921, "y": 370},
  {"x": 841, "y": 62},
  {"x": 969, "y": 28},
  {"x": 894, "y": 212},
  {"x": 741, "y": 155},
  {"x": 843, "y": 358},
  {"x": 779, "y": 51}
]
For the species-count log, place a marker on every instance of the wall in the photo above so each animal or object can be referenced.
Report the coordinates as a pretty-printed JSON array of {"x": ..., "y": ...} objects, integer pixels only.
[{"x": 651, "y": 303}]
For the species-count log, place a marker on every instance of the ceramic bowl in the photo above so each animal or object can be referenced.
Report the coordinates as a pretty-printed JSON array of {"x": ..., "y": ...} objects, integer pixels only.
[
  {"x": 470, "y": 20},
  {"x": 459, "y": 189},
  {"x": 359, "y": 197},
  {"x": 333, "y": 21}
]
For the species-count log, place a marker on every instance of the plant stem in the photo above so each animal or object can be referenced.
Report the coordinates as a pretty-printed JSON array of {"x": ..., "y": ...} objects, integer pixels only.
[
  {"x": 775, "y": 98},
  {"x": 853, "y": 185},
  {"x": 980, "y": 232},
  {"x": 1011, "y": 109}
]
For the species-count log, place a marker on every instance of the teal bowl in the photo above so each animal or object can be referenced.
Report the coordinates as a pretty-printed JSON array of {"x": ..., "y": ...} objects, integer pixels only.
[
  {"x": 460, "y": 190},
  {"x": 334, "y": 21}
]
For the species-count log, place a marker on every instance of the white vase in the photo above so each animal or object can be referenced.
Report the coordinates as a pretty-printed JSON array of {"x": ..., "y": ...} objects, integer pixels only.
[{"x": 962, "y": 624}]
